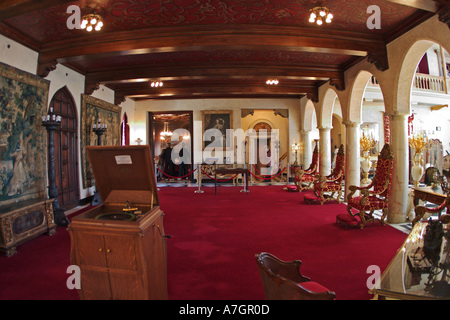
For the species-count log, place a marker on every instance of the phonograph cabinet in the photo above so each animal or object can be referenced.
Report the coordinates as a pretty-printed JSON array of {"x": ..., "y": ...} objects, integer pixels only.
[{"x": 120, "y": 245}]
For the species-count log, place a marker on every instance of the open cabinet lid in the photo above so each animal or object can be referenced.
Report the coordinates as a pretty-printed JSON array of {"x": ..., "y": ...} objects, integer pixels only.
[{"x": 124, "y": 173}]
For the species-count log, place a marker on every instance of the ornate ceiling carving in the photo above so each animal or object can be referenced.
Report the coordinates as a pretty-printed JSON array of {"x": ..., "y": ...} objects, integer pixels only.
[{"x": 208, "y": 48}]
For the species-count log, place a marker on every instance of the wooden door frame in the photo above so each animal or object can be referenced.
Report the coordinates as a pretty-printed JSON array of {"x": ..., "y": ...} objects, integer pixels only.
[{"x": 58, "y": 139}]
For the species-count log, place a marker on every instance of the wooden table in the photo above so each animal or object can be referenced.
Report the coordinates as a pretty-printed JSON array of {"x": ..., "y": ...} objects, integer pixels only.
[
  {"x": 403, "y": 279},
  {"x": 428, "y": 194},
  {"x": 436, "y": 196},
  {"x": 227, "y": 171}
]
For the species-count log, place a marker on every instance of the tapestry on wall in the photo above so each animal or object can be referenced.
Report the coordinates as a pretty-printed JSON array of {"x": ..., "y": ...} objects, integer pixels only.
[
  {"x": 23, "y": 140},
  {"x": 93, "y": 110}
]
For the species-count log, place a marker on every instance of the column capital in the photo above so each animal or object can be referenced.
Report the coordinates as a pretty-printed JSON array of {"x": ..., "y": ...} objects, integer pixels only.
[
  {"x": 397, "y": 115},
  {"x": 351, "y": 124},
  {"x": 323, "y": 128}
]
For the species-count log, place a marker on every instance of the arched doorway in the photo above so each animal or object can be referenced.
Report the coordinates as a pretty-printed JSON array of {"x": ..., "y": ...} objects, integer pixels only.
[
  {"x": 263, "y": 130},
  {"x": 66, "y": 149}
]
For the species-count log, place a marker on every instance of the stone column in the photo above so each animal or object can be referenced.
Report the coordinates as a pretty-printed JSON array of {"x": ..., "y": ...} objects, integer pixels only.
[
  {"x": 352, "y": 155},
  {"x": 306, "y": 149},
  {"x": 325, "y": 151},
  {"x": 398, "y": 199}
]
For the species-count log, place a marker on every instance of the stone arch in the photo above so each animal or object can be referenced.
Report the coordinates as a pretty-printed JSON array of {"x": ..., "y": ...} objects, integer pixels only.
[
  {"x": 407, "y": 72},
  {"x": 408, "y": 53},
  {"x": 325, "y": 112},
  {"x": 356, "y": 96},
  {"x": 405, "y": 54},
  {"x": 308, "y": 114}
]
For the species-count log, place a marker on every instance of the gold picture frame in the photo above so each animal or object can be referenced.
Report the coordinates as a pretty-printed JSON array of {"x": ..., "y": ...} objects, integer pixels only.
[
  {"x": 93, "y": 109},
  {"x": 217, "y": 119}
]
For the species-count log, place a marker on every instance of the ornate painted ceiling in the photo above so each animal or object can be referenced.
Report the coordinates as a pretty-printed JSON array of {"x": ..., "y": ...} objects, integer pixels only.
[{"x": 210, "y": 48}]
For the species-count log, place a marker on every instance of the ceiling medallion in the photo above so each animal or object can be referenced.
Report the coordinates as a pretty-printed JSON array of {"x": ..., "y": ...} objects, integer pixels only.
[
  {"x": 272, "y": 82},
  {"x": 319, "y": 15},
  {"x": 92, "y": 22}
]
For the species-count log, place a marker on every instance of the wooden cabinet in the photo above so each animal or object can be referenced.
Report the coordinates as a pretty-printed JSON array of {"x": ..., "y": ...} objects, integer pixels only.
[
  {"x": 23, "y": 221},
  {"x": 123, "y": 259},
  {"x": 120, "y": 260}
]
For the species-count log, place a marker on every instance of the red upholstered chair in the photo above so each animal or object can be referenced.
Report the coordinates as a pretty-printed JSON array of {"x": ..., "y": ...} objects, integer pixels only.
[
  {"x": 309, "y": 175},
  {"x": 373, "y": 197},
  {"x": 306, "y": 176},
  {"x": 282, "y": 280},
  {"x": 326, "y": 187}
]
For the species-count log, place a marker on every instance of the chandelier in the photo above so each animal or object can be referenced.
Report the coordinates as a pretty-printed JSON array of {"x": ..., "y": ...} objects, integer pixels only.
[
  {"x": 166, "y": 133},
  {"x": 320, "y": 15},
  {"x": 91, "y": 22}
]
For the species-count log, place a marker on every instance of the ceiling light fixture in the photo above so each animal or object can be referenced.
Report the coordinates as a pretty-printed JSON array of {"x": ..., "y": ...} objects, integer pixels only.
[
  {"x": 272, "y": 82},
  {"x": 92, "y": 22},
  {"x": 320, "y": 15},
  {"x": 156, "y": 84},
  {"x": 166, "y": 133}
]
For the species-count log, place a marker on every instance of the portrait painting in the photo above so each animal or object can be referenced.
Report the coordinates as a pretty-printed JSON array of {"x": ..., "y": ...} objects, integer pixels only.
[{"x": 220, "y": 120}]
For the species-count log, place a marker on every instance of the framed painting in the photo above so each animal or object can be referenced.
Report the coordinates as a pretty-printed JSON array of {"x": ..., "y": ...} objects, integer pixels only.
[
  {"x": 221, "y": 120},
  {"x": 23, "y": 139},
  {"x": 94, "y": 110}
]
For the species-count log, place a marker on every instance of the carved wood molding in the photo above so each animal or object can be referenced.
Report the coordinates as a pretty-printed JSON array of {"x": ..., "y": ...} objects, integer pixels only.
[
  {"x": 444, "y": 14},
  {"x": 246, "y": 112},
  {"x": 313, "y": 95},
  {"x": 338, "y": 83},
  {"x": 44, "y": 69},
  {"x": 119, "y": 98},
  {"x": 90, "y": 87},
  {"x": 380, "y": 60}
]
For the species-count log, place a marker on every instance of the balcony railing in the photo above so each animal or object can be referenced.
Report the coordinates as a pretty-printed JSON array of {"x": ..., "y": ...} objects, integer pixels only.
[
  {"x": 430, "y": 83},
  {"x": 425, "y": 82}
]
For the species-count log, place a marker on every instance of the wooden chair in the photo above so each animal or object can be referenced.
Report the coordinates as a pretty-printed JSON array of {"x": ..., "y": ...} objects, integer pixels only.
[
  {"x": 373, "y": 197},
  {"x": 283, "y": 281},
  {"x": 306, "y": 176},
  {"x": 333, "y": 182},
  {"x": 421, "y": 210}
]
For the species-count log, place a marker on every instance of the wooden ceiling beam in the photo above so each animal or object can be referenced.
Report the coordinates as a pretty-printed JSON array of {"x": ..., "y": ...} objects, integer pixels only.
[
  {"x": 180, "y": 91},
  {"x": 127, "y": 80},
  {"x": 212, "y": 38},
  {"x": 220, "y": 70}
]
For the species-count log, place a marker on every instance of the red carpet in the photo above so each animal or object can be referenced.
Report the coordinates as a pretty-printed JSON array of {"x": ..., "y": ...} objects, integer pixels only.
[{"x": 214, "y": 240}]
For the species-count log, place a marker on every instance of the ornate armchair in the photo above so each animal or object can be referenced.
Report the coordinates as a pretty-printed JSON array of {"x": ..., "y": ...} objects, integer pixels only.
[
  {"x": 283, "y": 281},
  {"x": 333, "y": 182},
  {"x": 306, "y": 176},
  {"x": 421, "y": 210},
  {"x": 372, "y": 197}
]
